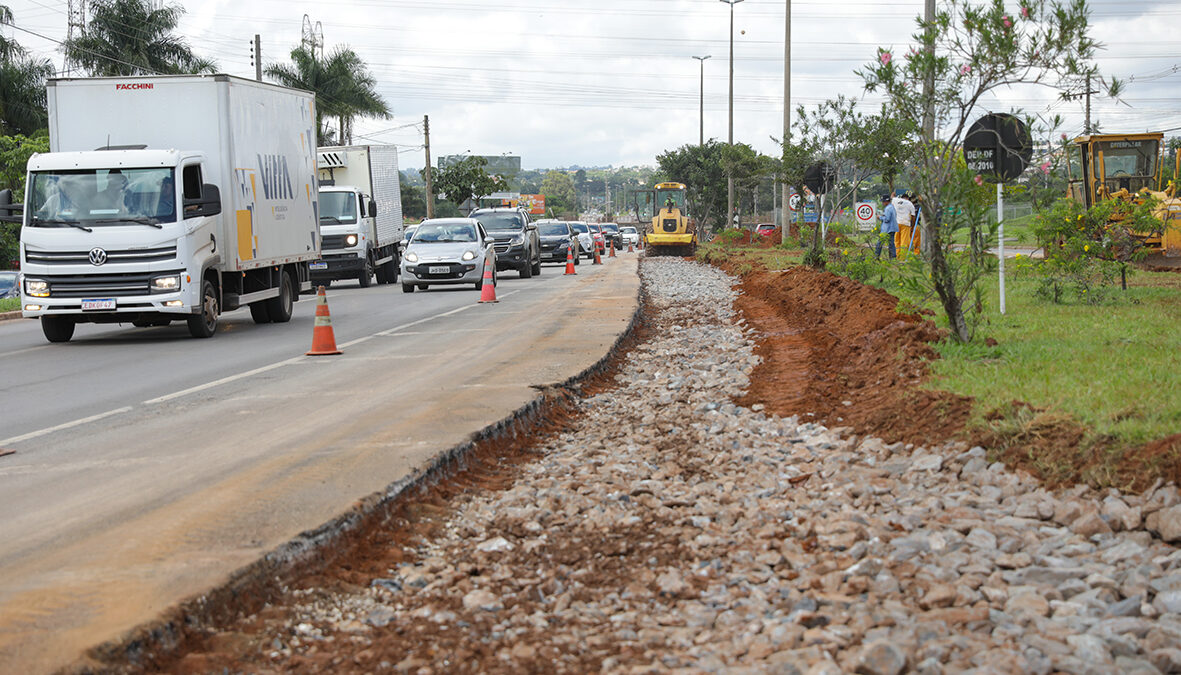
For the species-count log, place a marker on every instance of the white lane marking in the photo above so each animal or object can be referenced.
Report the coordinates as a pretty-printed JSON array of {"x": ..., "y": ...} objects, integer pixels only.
[
  {"x": 67, "y": 425},
  {"x": 22, "y": 351},
  {"x": 226, "y": 380}
]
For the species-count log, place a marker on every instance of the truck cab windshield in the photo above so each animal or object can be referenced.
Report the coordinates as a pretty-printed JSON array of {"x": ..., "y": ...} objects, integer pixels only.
[
  {"x": 102, "y": 197},
  {"x": 337, "y": 208}
]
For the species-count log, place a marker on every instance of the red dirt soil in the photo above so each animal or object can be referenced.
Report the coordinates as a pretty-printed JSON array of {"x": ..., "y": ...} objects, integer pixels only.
[{"x": 837, "y": 351}]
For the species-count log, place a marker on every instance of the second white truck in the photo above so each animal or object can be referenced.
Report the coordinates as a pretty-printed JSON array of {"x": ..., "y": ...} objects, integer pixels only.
[{"x": 360, "y": 214}]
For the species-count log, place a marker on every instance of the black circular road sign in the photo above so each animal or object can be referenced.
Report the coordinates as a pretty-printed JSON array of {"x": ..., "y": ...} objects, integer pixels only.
[
  {"x": 998, "y": 146},
  {"x": 820, "y": 177}
]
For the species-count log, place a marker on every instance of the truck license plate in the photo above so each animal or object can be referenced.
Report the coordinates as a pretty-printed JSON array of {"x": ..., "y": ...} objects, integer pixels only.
[
  {"x": 98, "y": 303},
  {"x": 318, "y": 266},
  {"x": 439, "y": 270}
]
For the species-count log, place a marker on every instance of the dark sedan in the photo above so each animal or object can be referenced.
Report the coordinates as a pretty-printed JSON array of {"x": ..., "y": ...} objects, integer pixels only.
[
  {"x": 611, "y": 235},
  {"x": 558, "y": 240}
]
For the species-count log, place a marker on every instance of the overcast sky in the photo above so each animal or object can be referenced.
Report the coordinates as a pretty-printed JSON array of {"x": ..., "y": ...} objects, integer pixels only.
[{"x": 613, "y": 82}]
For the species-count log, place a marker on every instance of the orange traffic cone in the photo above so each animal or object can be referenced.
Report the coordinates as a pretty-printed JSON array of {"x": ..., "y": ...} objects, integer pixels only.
[
  {"x": 570, "y": 261},
  {"x": 323, "y": 339},
  {"x": 629, "y": 246},
  {"x": 612, "y": 254},
  {"x": 488, "y": 285},
  {"x": 598, "y": 260}
]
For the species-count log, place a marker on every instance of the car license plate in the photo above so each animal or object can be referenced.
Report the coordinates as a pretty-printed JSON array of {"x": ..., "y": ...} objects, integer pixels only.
[
  {"x": 318, "y": 266},
  {"x": 98, "y": 303},
  {"x": 439, "y": 269}
]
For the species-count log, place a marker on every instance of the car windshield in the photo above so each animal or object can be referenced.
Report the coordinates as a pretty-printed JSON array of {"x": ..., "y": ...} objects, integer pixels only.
[
  {"x": 579, "y": 227},
  {"x": 553, "y": 229},
  {"x": 627, "y": 230},
  {"x": 501, "y": 221},
  {"x": 595, "y": 229},
  {"x": 430, "y": 233},
  {"x": 337, "y": 207},
  {"x": 409, "y": 233},
  {"x": 7, "y": 281},
  {"x": 610, "y": 227},
  {"x": 102, "y": 197}
]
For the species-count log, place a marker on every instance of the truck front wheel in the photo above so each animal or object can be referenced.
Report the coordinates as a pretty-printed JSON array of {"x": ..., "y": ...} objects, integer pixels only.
[
  {"x": 280, "y": 308},
  {"x": 204, "y": 325},
  {"x": 57, "y": 328},
  {"x": 365, "y": 276}
]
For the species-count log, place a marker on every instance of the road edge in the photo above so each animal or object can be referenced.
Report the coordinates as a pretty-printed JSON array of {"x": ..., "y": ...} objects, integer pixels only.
[{"x": 268, "y": 576}]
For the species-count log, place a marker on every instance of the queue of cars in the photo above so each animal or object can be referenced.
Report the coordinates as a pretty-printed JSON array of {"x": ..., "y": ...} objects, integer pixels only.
[{"x": 452, "y": 251}]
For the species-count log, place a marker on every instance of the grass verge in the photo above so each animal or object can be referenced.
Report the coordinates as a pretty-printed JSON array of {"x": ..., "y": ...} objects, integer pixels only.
[{"x": 10, "y": 304}]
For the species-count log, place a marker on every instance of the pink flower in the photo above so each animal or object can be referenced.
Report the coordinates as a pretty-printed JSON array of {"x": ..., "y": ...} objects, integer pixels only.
[
  {"x": 885, "y": 58},
  {"x": 1046, "y": 167},
  {"x": 1025, "y": 12},
  {"x": 965, "y": 69},
  {"x": 979, "y": 179},
  {"x": 1007, "y": 21},
  {"x": 1064, "y": 136}
]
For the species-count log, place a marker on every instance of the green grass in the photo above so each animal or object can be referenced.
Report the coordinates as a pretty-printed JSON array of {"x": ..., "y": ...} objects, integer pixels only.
[
  {"x": 1113, "y": 366},
  {"x": 1018, "y": 232},
  {"x": 10, "y": 304}
]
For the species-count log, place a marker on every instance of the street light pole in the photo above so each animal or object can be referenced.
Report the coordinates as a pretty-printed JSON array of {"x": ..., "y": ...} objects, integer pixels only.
[
  {"x": 701, "y": 101},
  {"x": 730, "y": 137}
]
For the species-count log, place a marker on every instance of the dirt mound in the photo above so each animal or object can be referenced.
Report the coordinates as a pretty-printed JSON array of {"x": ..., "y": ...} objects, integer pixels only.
[{"x": 838, "y": 350}]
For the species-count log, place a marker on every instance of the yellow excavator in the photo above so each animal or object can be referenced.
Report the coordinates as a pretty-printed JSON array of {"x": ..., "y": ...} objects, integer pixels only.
[
  {"x": 669, "y": 230},
  {"x": 1128, "y": 167}
]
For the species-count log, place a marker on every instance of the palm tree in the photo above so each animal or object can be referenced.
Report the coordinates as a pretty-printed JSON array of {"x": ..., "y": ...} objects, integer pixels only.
[
  {"x": 22, "y": 86},
  {"x": 343, "y": 86},
  {"x": 131, "y": 37}
]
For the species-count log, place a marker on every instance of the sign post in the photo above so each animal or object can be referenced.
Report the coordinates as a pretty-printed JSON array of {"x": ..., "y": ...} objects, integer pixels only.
[
  {"x": 999, "y": 146},
  {"x": 867, "y": 216}
]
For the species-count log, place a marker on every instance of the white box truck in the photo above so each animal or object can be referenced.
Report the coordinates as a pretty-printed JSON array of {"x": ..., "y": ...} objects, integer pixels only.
[
  {"x": 360, "y": 214},
  {"x": 169, "y": 197}
]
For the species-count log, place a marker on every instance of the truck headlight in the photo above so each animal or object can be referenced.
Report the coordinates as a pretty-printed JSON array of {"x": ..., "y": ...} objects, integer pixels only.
[
  {"x": 351, "y": 240},
  {"x": 468, "y": 255},
  {"x": 166, "y": 284},
  {"x": 37, "y": 288},
  {"x": 412, "y": 257}
]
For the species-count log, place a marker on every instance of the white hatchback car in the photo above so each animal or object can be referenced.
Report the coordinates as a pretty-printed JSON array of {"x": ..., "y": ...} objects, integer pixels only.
[
  {"x": 629, "y": 235},
  {"x": 447, "y": 251}
]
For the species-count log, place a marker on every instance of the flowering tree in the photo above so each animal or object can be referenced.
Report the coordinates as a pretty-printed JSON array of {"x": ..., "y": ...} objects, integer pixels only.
[{"x": 967, "y": 52}]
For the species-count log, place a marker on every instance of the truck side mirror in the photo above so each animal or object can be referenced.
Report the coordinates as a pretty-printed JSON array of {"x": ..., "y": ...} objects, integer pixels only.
[
  {"x": 372, "y": 208},
  {"x": 8, "y": 209},
  {"x": 209, "y": 204}
]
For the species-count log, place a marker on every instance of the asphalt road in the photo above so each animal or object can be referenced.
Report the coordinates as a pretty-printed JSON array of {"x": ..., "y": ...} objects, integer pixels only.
[{"x": 149, "y": 465}]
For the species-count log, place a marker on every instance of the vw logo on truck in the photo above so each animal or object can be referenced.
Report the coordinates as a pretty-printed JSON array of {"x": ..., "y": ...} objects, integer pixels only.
[{"x": 97, "y": 256}]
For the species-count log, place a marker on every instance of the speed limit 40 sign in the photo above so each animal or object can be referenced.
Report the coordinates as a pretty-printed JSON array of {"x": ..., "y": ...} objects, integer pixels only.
[{"x": 867, "y": 216}]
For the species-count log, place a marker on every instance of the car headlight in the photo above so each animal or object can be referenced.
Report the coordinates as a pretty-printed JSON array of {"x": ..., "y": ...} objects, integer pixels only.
[
  {"x": 412, "y": 257},
  {"x": 468, "y": 255},
  {"x": 351, "y": 240},
  {"x": 518, "y": 240},
  {"x": 37, "y": 288},
  {"x": 166, "y": 284}
]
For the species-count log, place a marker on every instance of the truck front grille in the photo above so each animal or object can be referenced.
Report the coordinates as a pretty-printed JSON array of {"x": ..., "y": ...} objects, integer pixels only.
[
  {"x": 139, "y": 255},
  {"x": 331, "y": 241},
  {"x": 100, "y": 285}
]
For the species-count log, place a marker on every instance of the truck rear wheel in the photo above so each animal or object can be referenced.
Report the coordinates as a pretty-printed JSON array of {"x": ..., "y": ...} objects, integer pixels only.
[
  {"x": 204, "y": 325},
  {"x": 57, "y": 328},
  {"x": 260, "y": 312},
  {"x": 391, "y": 271},
  {"x": 279, "y": 308}
]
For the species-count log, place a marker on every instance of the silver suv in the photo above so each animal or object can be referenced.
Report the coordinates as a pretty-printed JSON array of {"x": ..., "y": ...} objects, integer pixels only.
[{"x": 518, "y": 245}]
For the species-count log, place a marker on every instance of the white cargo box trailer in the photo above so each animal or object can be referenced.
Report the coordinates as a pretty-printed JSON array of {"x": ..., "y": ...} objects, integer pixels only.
[
  {"x": 170, "y": 197},
  {"x": 361, "y": 222}
]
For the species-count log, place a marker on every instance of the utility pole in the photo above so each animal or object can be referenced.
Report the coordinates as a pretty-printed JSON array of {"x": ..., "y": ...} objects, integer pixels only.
[
  {"x": 784, "y": 187},
  {"x": 1087, "y": 123},
  {"x": 730, "y": 135},
  {"x": 430, "y": 194},
  {"x": 257, "y": 57},
  {"x": 701, "y": 101},
  {"x": 929, "y": 85}
]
